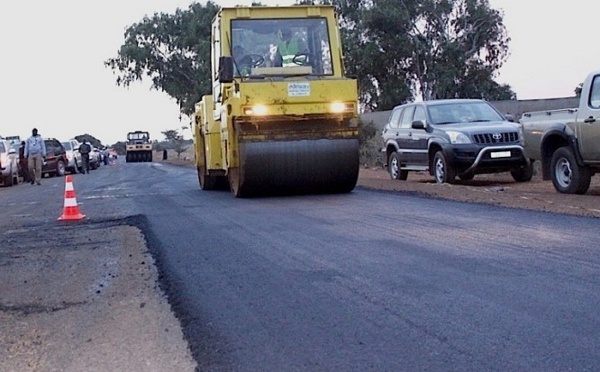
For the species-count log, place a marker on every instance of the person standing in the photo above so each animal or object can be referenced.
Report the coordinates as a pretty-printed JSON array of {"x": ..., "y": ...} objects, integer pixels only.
[
  {"x": 23, "y": 166},
  {"x": 35, "y": 152},
  {"x": 84, "y": 150}
]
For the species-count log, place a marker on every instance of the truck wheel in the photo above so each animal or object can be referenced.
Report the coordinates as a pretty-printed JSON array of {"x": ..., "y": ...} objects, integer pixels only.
[
  {"x": 524, "y": 174},
  {"x": 567, "y": 176},
  {"x": 442, "y": 172},
  {"x": 394, "y": 168}
]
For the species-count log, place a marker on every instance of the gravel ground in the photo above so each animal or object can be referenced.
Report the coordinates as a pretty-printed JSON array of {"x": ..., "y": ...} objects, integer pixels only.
[{"x": 85, "y": 299}]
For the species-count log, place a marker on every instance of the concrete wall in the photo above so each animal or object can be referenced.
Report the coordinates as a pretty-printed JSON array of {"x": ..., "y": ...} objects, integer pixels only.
[{"x": 513, "y": 107}]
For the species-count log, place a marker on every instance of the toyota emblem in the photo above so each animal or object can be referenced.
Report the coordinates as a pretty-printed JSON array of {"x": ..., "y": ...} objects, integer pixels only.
[{"x": 496, "y": 136}]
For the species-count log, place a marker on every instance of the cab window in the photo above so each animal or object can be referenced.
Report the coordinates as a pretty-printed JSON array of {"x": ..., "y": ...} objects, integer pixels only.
[{"x": 595, "y": 93}]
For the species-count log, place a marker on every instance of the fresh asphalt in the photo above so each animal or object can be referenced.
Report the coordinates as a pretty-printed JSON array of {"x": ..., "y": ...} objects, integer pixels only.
[{"x": 362, "y": 281}]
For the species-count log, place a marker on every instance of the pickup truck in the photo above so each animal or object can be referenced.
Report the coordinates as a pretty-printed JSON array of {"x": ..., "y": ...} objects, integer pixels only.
[{"x": 567, "y": 141}]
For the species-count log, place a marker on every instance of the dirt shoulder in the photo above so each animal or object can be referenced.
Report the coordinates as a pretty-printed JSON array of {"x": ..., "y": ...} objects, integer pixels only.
[
  {"x": 496, "y": 189},
  {"x": 83, "y": 298}
]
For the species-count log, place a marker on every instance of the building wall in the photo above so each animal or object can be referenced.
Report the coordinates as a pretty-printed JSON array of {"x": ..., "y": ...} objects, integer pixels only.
[{"x": 512, "y": 107}]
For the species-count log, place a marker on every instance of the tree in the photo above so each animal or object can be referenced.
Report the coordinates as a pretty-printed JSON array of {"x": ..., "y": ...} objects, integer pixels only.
[
  {"x": 397, "y": 50},
  {"x": 431, "y": 49},
  {"x": 173, "y": 50},
  {"x": 176, "y": 139}
]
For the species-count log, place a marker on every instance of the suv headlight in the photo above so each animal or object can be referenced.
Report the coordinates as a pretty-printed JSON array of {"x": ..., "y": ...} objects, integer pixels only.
[{"x": 458, "y": 137}]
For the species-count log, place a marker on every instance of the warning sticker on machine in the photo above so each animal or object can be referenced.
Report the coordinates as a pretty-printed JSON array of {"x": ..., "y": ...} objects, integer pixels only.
[{"x": 298, "y": 89}]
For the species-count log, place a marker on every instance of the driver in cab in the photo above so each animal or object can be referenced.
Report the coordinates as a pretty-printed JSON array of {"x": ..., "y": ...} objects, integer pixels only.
[{"x": 287, "y": 48}]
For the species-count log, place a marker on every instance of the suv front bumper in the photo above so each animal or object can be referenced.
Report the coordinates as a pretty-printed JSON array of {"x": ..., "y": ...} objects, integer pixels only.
[{"x": 485, "y": 159}]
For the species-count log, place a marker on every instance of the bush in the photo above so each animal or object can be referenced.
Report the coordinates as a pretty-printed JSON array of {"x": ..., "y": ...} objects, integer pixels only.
[{"x": 369, "y": 140}]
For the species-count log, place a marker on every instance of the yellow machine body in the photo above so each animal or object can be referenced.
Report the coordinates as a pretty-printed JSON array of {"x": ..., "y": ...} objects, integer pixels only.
[{"x": 271, "y": 129}]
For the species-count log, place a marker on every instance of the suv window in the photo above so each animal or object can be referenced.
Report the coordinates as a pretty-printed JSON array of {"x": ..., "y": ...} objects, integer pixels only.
[
  {"x": 420, "y": 114},
  {"x": 67, "y": 145},
  {"x": 53, "y": 147},
  {"x": 2, "y": 149},
  {"x": 407, "y": 117},
  {"x": 395, "y": 118}
]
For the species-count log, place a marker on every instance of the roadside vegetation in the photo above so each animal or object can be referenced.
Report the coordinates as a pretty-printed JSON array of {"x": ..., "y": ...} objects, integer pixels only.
[{"x": 398, "y": 50}]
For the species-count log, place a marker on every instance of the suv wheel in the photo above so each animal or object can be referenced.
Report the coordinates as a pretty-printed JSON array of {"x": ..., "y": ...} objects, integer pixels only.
[
  {"x": 567, "y": 176},
  {"x": 60, "y": 168},
  {"x": 524, "y": 174},
  {"x": 394, "y": 168},
  {"x": 442, "y": 172}
]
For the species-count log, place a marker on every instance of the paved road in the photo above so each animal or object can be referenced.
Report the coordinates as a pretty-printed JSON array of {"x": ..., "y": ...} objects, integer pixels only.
[{"x": 364, "y": 281}]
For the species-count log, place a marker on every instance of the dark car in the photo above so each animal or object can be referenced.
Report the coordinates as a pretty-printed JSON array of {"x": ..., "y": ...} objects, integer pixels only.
[
  {"x": 56, "y": 158},
  {"x": 455, "y": 137}
]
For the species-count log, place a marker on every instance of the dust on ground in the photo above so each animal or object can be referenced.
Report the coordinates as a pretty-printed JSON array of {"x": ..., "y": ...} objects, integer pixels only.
[{"x": 85, "y": 298}]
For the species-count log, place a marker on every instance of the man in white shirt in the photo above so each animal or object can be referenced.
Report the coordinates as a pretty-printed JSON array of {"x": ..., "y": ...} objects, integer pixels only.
[{"x": 35, "y": 152}]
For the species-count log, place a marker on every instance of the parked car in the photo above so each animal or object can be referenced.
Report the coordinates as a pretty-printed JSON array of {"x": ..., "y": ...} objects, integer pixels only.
[
  {"x": 94, "y": 158},
  {"x": 74, "y": 162},
  {"x": 455, "y": 137},
  {"x": 9, "y": 164},
  {"x": 56, "y": 158}
]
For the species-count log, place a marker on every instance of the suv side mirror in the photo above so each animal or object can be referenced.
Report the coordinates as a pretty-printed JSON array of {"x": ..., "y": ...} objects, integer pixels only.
[
  {"x": 225, "y": 69},
  {"x": 419, "y": 124},
  {"x": 510, "y": 118}
]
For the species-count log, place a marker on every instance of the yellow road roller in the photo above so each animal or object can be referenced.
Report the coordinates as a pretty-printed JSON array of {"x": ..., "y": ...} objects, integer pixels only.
[{"x": 282, "y": 117}]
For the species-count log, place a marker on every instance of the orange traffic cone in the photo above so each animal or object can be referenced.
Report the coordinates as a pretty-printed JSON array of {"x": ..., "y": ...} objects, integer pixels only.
[{"x": 70, "y": 210}]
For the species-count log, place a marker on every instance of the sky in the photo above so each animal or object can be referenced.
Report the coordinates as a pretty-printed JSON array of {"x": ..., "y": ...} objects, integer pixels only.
[{"x": 52, "y": 75}]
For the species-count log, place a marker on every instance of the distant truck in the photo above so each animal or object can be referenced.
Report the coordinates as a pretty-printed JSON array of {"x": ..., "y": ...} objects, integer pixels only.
[
  {"x": 567, "y": 141},
  {"x": 138, "y": 147}
]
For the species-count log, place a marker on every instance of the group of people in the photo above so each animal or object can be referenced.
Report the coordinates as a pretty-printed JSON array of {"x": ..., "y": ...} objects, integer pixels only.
[{"x": 32, "y": 155}]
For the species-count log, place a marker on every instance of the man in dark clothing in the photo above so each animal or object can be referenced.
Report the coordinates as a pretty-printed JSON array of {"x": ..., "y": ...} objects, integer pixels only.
[
  {"x": 84, "y": 150},
  {"x": 23, "y": 167}
]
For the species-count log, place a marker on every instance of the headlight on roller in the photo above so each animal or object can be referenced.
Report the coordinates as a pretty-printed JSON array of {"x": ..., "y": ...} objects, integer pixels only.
[
  {"x": 339, "y": 107},
  {"x": 458, "y": 137},
  {"x": 257, "y": 110}
]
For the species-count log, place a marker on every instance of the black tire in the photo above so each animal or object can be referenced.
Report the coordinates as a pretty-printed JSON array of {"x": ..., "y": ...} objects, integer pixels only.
[
  {"x": 568, "y": 177},
  {"x": 60, "y": 168},
  {"x": 394, "y": 168},
  {"x": 8, "y": 180},
  {"x": 442, "y": 172},
  {"x": 524, "y": 174},
  {"x": 467, "y": 177}
]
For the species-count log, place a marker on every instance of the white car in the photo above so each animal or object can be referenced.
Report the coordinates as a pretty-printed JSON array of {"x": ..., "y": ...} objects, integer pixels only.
[
  {"x": 9, "y": 166},
  {"x": 74, "y": 161}
]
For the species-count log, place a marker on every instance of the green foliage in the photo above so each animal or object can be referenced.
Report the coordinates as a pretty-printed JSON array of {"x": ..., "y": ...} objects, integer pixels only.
[
  {"x": 120, "y": 148},
  {"x": 397, "y": 50},
  {"x": 176, "y": 140},
  {"x": 173, "y": 50}
]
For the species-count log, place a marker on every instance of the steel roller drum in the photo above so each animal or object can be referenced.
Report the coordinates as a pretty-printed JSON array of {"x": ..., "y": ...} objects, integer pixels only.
[{"x": 298, "y": 167}]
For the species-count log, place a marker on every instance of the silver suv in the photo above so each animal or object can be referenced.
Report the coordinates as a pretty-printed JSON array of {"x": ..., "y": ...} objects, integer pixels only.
[{"x": 74, "y": 162}]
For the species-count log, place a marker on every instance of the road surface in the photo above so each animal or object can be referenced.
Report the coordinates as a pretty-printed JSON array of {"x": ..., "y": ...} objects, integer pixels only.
[{"x": 362, "y": 281}]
